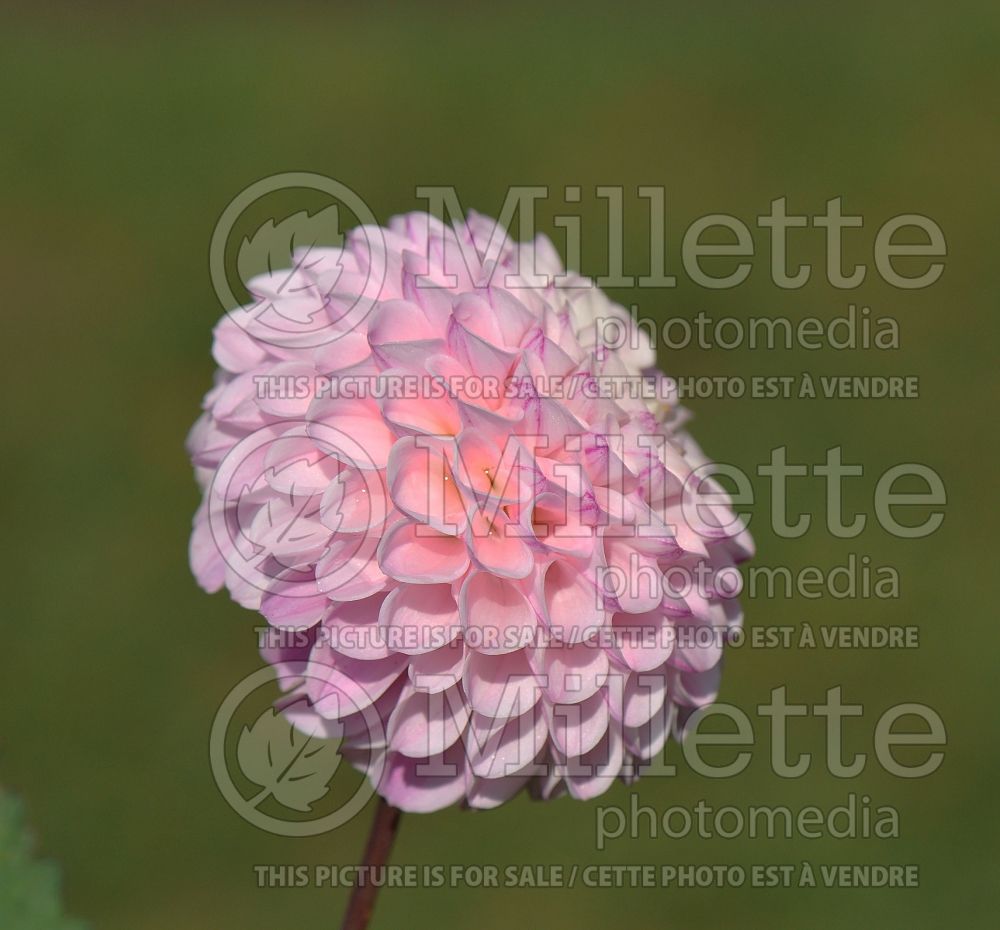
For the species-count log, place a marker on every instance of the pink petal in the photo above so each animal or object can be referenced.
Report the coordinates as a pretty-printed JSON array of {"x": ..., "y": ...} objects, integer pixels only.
[
  {"x": 349, "y": 570},
  {"x": 695, "y": 689},
  {"x": 353, "y": 628},
  {"x": 577, "y": 728},
  {"x": 638, "y": 577},
  {"x": 233, "y": 348},
  {"x": 501, "y": 748},
  {"x": 487, "y": 793},
  {"x": 420, "y": 618},
  {"x": 639, "y": 698},
  {"x": 421, "y": 484},
  {"x": 645, "y": 640},
  {"x": 287, "y": 389},
  {"x": 353, "y": 430},
  {"x": 499, "y": 547},
  {"x": 207, "y": 563},
  {"x": 571, "y": 673},
  {"x": 424, "y": 725},
  {"x": 557, "y": 524},
  {"x": 400, "y": 334},
  {"x": 647, "y": 741},
  {"x": 594, "y": 772},
  {"x": 500, "y": 686},
  {"x": 496, "y": 614},
  {"x": 354, "y": 502},
  {"x": 296, "y": 465},
  {"x": 294, "y": 604},
  {"x": 440, "y": 669},
  {"x": 479, "y": 356},
  {"x": 572, "y": 608},
  {"x": 434, "y": 416},
  {"x": 338, "y": 685},
  {"x": 421, "y": 786},
  {"x": 415, "y": 553}
]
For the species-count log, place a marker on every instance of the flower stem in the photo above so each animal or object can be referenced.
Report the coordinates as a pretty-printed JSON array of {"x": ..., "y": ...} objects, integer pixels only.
[{"x": 380, "y": 839}]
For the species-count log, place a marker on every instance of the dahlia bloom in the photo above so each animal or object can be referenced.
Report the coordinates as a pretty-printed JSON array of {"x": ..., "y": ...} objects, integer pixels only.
[{"x": 473, "y": 533}]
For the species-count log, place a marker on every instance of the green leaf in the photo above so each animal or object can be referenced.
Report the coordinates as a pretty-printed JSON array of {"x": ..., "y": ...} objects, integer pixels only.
[{"x": 29, "y": 888}]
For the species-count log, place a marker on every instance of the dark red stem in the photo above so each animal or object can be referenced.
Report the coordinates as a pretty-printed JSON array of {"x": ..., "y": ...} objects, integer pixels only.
[{"x": 380, "y": 840}]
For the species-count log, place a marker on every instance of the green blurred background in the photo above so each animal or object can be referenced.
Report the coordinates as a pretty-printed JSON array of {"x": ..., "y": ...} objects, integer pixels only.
[{"x": 125, "y": 133}]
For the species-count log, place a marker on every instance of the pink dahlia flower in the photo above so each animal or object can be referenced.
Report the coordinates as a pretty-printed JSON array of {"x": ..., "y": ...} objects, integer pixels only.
[{"x": 488, "y": 562}]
